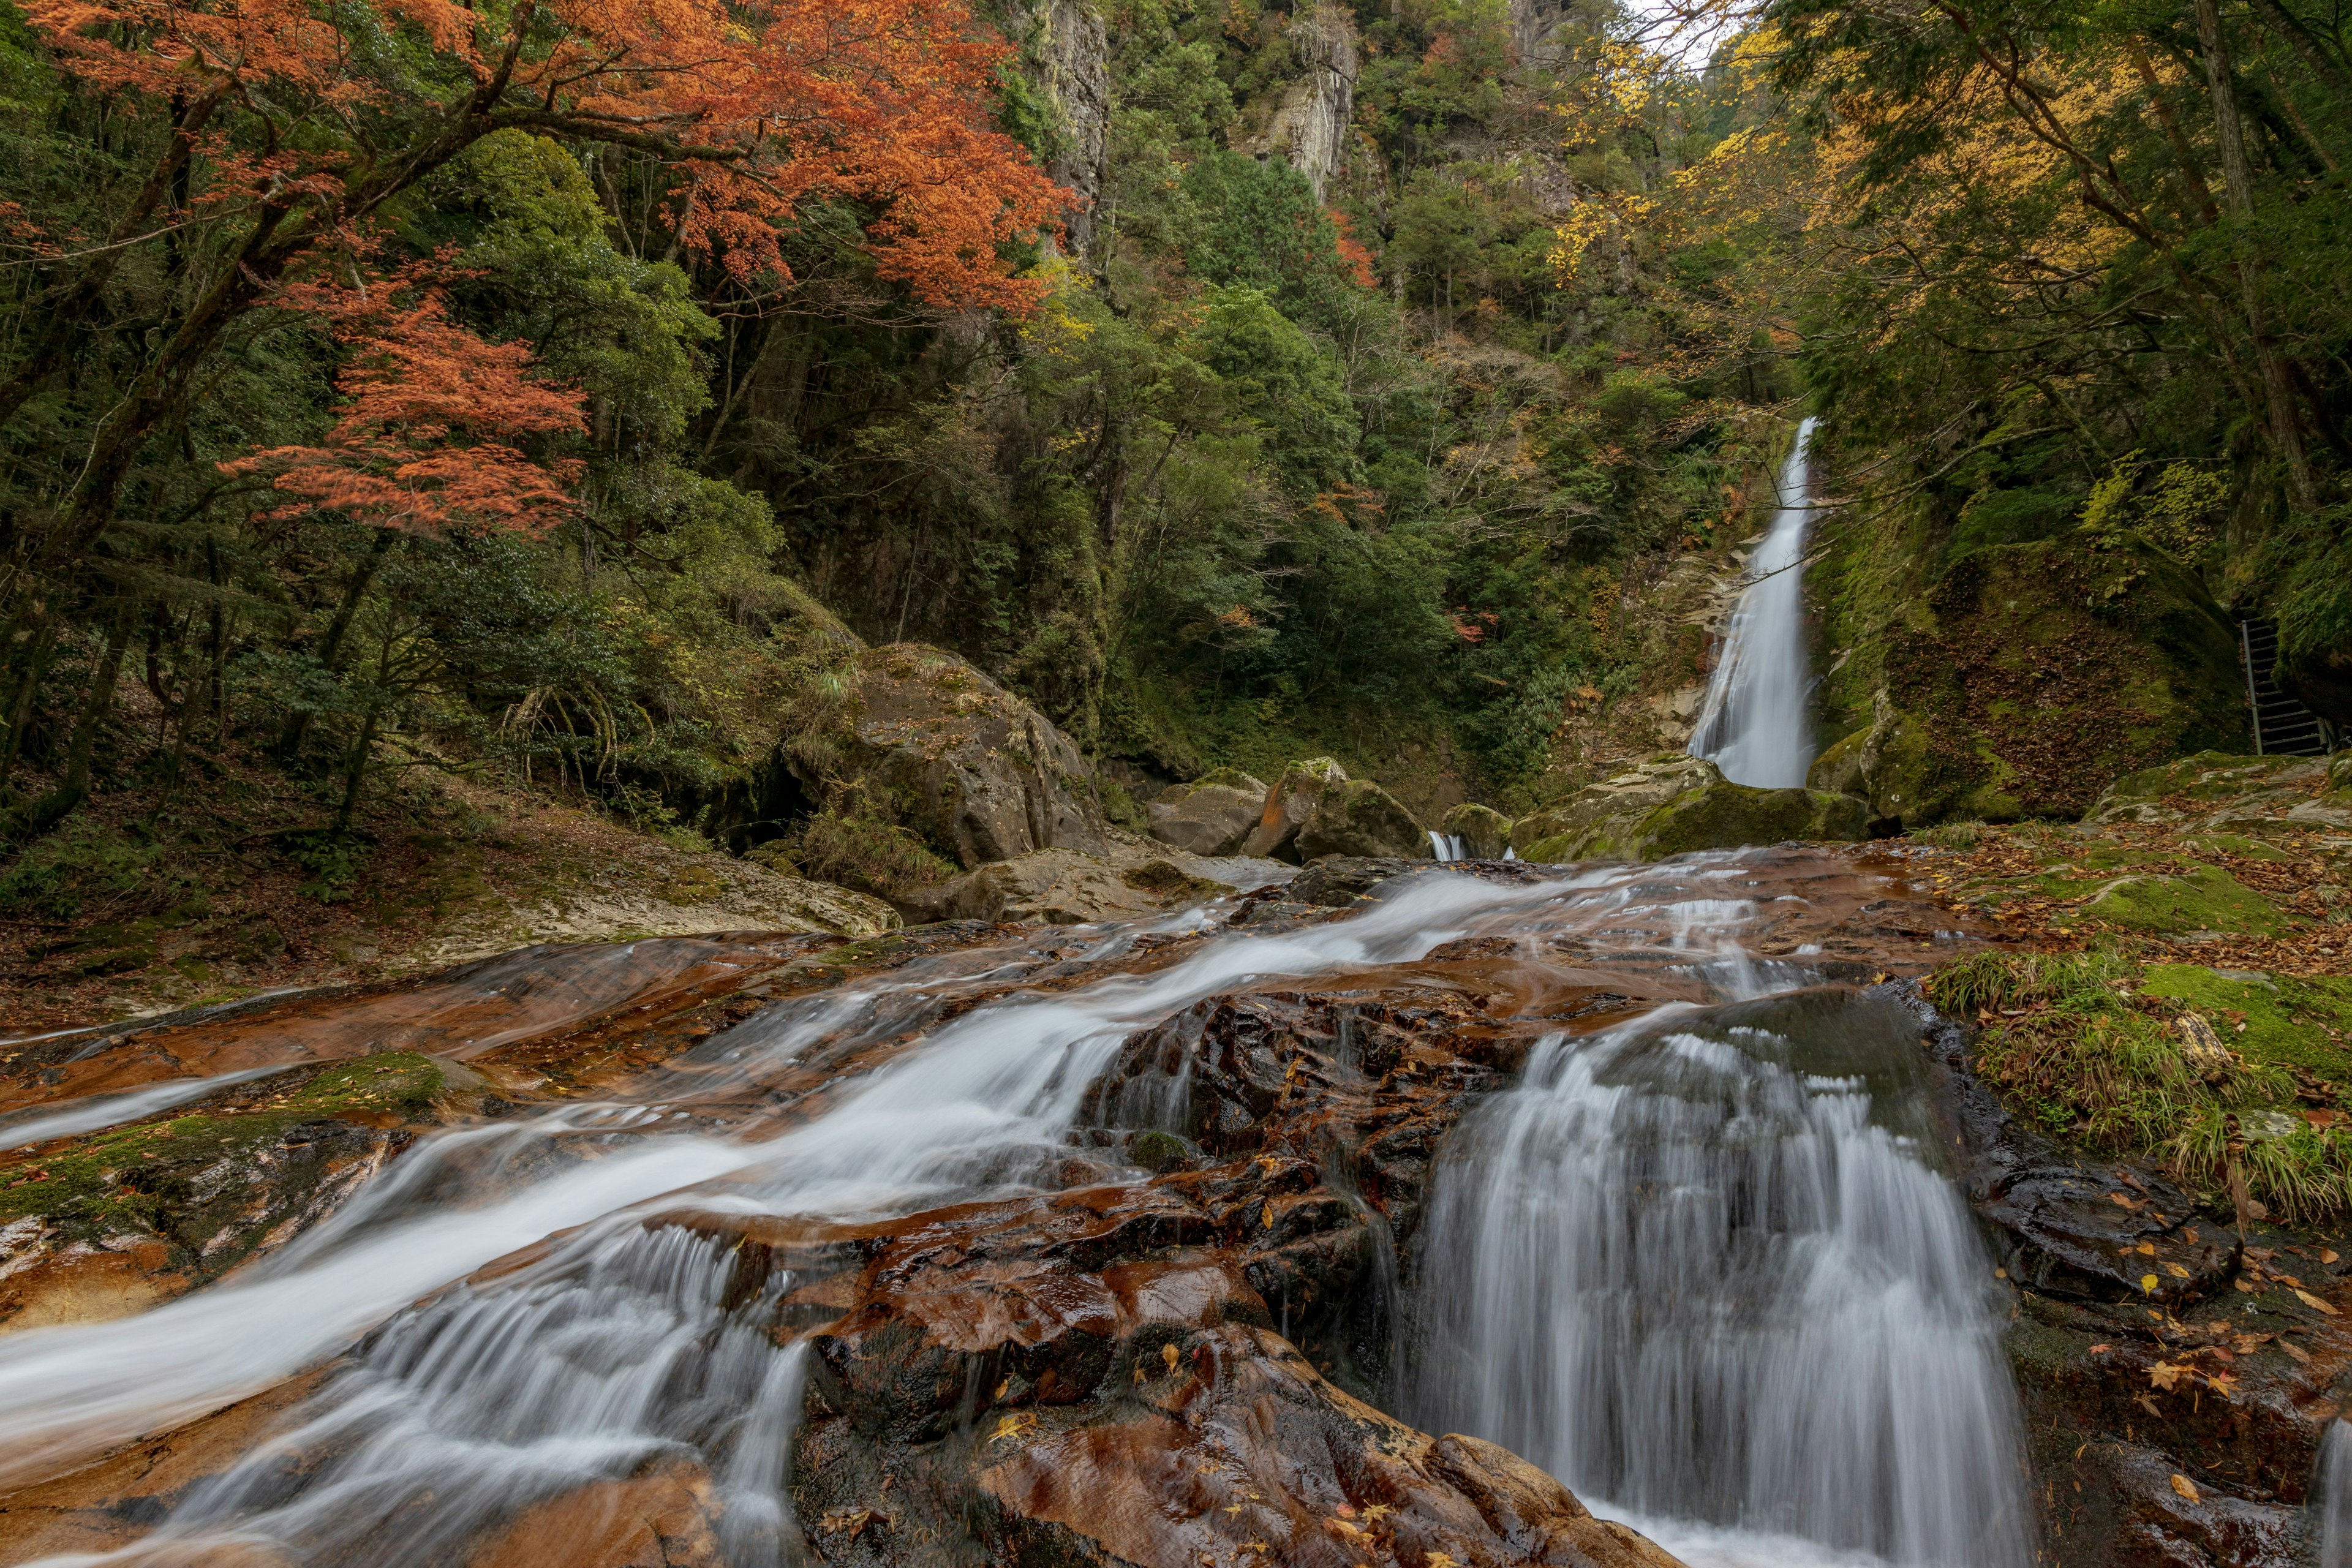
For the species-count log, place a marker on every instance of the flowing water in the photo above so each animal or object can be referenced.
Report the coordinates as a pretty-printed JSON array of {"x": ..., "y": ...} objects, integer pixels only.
[
  {"x": 1756, "y": 725},
  {"x": 1703, "y": 1267}
]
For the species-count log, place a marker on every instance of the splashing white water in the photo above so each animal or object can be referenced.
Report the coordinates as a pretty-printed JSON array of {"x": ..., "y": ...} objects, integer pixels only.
[
  {"x": 1756, "y": 724},
  {"x": 1698, "y": 1267}
]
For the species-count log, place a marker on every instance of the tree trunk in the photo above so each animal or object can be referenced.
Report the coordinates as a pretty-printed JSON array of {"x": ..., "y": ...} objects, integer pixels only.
[
  {"x": 97, "y": 702},
  {"x": 298, "y": 726},
  {"x": 2238, "y": 180}
]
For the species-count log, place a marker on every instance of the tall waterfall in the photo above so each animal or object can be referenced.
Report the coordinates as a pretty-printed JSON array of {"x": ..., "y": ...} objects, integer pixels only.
[
  {"x": 1755, "y": 726},
  {"x": 1700, "y": 1268}
]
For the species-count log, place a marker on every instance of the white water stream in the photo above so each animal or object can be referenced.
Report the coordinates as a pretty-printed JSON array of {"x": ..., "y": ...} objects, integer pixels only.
[
  {"x": 1696, "y": 1266},
  {"x": 1756, "y": 724}
]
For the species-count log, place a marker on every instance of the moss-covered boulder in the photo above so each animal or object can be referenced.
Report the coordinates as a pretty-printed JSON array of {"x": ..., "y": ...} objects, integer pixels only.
[
  {"x": 2206, "y": 900},
  {"x": 1625, "y": 818},
  {"x": 2023, "y": 678},
  {"x": 1065, "y": 886},
  {"x": 1485, "y": 832},
  {"x": 937, "y": 745},
  {"x": 1210, "y": 815},
  {"x": 1288, "y": 805},
  {"x": 1639, "y": 788},
  {"x": 1358, "y": 818}
]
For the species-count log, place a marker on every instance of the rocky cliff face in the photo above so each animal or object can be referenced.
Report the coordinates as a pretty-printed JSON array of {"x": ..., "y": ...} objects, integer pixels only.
[
  {"x": 1309, "y": 126},
  {"x": 1066, "y": 55}
]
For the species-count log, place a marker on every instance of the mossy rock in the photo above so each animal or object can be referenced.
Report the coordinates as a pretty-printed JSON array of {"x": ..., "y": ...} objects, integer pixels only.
[
  {"x": 1156, "y": 1152},
  {"x": 2205, "y": 776},
  {"x": 1485, "y": 832},
  {"x": 217, "y": 1181},
  {"x": 2030, "y": 673},
  {"x": 2207, "y": 899},
  {"x": 1718, "y": 816},
  {"x": 1288, "y": 807},
  {"x": 1223, "y": 778},
  {"x": 2305, "y": 1023},
  {"x": 1358, "y": 818},
  {"x": 1649, "y": 784}
]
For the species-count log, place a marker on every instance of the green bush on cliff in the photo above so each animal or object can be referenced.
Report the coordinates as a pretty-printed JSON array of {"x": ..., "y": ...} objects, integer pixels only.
[{"x": 2084, "y": 1045}]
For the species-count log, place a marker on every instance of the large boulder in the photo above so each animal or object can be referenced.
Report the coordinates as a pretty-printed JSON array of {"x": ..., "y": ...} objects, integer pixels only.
[
  {"x": 1358, "y": 818},
  {"x": 1641, "y": 788},
  {"x": 1288, "y": 805},
  {"x": 1068, "y": 886},
  {"x": 1484, "y": 833},
  {"x": 1673, "y": 806},
  {"x": 937, "y": 745},
  {"x": 1210, "y": 815}
]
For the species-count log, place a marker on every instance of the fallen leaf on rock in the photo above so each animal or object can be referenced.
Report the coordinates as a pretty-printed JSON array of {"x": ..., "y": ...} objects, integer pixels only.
[
  {"x": 1442, "y": 1560},
  {"x": 1168, "y": 1354},
  {"x": 2148, "y": 1282},
  {"x": 2177, "y": 1270},
  {"x": 2164, "y": 1376},
  {"x": 2296, "y": 1350},
  {"x": 2327, "y": 1255},
  {"x": 1267, "y": 1217},
  {"x": 2186, "y": 1488},
  {"x": 2100, "y": 1350},
  {"x": 2308, "y": 1299}
]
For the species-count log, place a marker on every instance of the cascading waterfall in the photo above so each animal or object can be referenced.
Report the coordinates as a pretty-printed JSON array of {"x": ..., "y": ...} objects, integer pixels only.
[
  {"x": 1699, "y": 1267},
  {"x": 1755, "y": 724}
]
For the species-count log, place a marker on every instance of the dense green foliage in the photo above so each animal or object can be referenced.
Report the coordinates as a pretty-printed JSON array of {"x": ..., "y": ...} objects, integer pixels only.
[
  {"x": 1260, "y": 471},
  {"x": 2089, "y": 280}
]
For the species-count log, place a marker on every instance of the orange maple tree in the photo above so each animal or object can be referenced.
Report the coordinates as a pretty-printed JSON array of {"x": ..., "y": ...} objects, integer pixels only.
[{"x": 294, "y": 124}]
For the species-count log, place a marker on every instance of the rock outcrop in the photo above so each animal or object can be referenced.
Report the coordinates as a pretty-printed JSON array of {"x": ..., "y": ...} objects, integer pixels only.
[
  {"x": 937, "y": 745},
  {"x": 1673, "y": 805},
  {"x": 2027, "y": 675},
  {"x": 1065, "y": 59},
  {"x": 1210, "y": 815},
  {"x": 1310, "y": 126}
]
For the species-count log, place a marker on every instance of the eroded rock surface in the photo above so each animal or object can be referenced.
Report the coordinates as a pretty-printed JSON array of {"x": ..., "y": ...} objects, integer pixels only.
[{"x": 982, "y": 775}]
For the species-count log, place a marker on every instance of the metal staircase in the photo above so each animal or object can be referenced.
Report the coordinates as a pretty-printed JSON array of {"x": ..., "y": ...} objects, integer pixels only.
[{"x": 2282, "y": 726}]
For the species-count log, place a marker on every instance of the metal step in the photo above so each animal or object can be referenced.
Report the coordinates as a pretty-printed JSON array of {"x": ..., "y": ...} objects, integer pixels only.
[{"x": 2282, "y": 726}]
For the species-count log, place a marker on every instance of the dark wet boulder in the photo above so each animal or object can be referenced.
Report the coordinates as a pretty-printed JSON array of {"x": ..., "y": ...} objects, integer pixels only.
[
  {"x": 1210, "y": 815},
  {"x": 1358, "y": 818},
  {"x": 979, "y": 773}
]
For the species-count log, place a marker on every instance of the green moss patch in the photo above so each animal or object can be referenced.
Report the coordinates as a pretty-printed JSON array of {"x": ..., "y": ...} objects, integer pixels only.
[
  {"x": 2296, "y": 1022},
  {"x": 2084, "y": 1045},
  {"x": 102, "y": 1179},
  {"x": 2207, "y": 899}
]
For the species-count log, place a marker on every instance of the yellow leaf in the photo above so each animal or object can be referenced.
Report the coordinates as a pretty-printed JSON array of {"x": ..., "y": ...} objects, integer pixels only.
[
  {"x": 1003, "y": 1387},
  {"x": 1442, "y": 1560},
  {"x": 1168, "y": 1354},
  {"x": 2164, "y": 1376},
  {"x": 1267, "y": 1217},
  {"x": 2148, "y": 1282},
  {"x": 2178, "y": 1271},
  {"x": 2185, "y": 1487},
  {"x": 2308, "y": 1299}
]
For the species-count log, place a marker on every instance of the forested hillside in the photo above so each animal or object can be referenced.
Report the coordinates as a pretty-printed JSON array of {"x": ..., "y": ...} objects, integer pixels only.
[{"x": 557, "y": 397}]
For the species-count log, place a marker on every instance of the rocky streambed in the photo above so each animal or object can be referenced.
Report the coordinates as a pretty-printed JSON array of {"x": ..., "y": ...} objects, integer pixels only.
[{"x": 1244, "y": 1233}]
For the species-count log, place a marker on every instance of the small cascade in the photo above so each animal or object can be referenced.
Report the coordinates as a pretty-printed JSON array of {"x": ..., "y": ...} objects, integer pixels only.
[
  {"x": 1446, "y": 845},
  {"x": 1755, "y": 724},
  {"x": 1700, "y": 1268}
]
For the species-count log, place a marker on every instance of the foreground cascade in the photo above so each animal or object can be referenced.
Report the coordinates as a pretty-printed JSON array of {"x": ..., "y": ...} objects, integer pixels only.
[{"x": 996, "y": 1244}]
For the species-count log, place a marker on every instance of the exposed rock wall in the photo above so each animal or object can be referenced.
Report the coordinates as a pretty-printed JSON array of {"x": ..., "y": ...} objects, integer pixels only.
[
  {"x": 1309, "y": 127},
  {"x": 1066, "y": 53}
]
